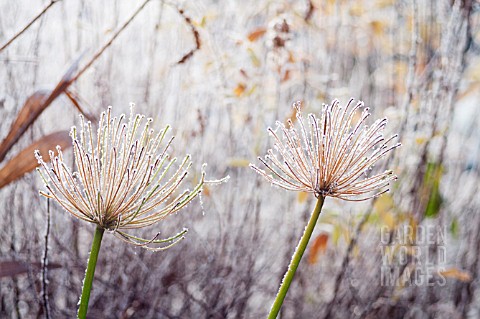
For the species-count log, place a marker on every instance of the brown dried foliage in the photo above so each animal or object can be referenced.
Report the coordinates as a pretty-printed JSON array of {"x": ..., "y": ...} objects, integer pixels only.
[{"x": 25, "y": 162}]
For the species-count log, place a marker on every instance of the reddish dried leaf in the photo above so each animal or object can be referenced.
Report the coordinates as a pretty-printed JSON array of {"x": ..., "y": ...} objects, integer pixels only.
[
  {"x": 206, "y": 191},
  {"x": 256, "y": 34},
  {"x": 13, "y": 268},
  {"x": 240, "y": 89},
  {"x": 34, "y": 105},
  {"x": 310, "y": 10},
  {"x": 75, "y": 99},
  {"x": 318, "y": 247},
  {"x": 286, "y": 76},
  {"x": 25, "y": 161},
  {"x": 32, "y": 108}
]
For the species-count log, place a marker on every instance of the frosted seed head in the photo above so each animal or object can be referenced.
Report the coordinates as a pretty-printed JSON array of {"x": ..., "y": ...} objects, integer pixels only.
[
  {"x": 117, "y": 186},
  {"x": 332, "y": 158}
]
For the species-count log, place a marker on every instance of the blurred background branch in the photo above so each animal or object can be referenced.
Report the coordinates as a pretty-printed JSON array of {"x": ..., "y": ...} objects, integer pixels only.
[{"x": 220, "y": 73}]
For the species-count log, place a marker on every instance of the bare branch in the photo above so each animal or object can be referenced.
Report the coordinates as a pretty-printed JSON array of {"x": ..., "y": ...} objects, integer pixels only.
[
  {"x": 38, "y": 16},
  {"x": 196, "y": 36},
  {"x": 46, "y": 306}
]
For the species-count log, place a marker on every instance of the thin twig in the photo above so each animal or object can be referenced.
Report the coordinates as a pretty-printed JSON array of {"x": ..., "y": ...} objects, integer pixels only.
[
  {"x": 109, "y": 42},
  {"x": 310, "y": 10},
  {"x": 196, "y": 36},
  {"x": 46, "y": 305},
  {"x": 38, "y": 16}
]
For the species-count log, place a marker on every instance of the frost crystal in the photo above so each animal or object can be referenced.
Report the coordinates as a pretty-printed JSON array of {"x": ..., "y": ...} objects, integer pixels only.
[
  {"x": 329, "y": 156},
  {"x": 125, "y": 178}
]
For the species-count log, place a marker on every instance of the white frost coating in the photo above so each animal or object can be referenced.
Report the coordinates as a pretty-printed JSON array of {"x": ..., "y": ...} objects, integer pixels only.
[
  {"x": 327, "y": 155},
  {"x": 125, "y": 179}
]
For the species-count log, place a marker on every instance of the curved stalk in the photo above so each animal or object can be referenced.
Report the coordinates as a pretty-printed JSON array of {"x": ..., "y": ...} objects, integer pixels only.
[
  {"x": 87, "y": 282},
  {"x": 297, "y": 256}
]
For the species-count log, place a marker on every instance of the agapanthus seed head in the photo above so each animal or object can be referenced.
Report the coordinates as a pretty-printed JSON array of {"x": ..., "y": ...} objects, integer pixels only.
[
  {"x": 125, "y": 178},
  {"x": 330, "y": 155}
]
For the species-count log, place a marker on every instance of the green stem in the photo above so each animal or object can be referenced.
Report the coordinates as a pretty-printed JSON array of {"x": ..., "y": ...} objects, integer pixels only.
[
  {"x": 87, "y": 282},
  {"x": 297, "y": 256}
]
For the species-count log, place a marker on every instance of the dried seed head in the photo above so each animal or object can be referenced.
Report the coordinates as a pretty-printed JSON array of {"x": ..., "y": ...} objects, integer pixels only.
[
  {"x": 125, "y": 177},
  {"x": 329, "y": 157}
]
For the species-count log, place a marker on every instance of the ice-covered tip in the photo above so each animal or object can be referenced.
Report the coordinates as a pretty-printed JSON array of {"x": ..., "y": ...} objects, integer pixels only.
[
  {"x": 73, "y": 132},
  {"x": 115, "y": 172},
  {"x": 297, "y": 105},
  {"x": 38, "y": 156},
  {"x": 214, "y": 182},
  {"x": 328, "y": 155}
]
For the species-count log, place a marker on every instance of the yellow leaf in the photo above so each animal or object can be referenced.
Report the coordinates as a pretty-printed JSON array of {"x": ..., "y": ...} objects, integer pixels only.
[
  {"x": 337, "y": 232},
  {"x": 238, "y": 162},
  {"x": 291, "y": 57},
  {"x": 384, "y": 203},
  {"x": 252, "y": 90},
  {"x": 420, "y": 140},
  {"x": 384, "y": 3},
  {"x": 302, "y": 197},
  {"x": 256, "y": 34},
  {"x": 203, "y": 22},
  {"x": 388, "y": 219},
  {"x": 378, "y": 27},
  {"x": 356, "y": 10},
  {"x": 238, "y": 91},
  {"x": 253, "y": 57},
  {"x": 456, "y": 273}
]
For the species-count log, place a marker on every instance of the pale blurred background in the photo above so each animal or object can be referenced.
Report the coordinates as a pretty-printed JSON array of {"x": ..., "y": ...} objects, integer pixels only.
[{"x": 221, "y": 72}]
